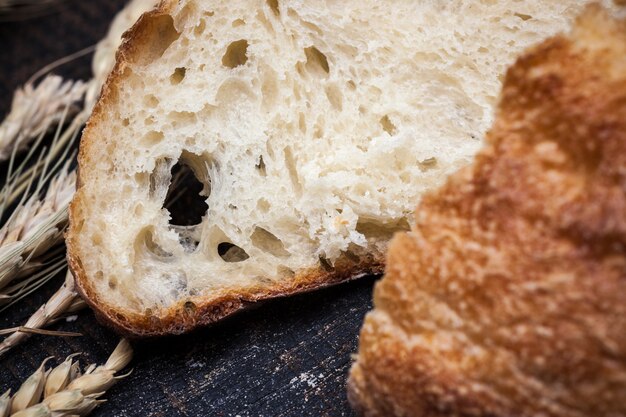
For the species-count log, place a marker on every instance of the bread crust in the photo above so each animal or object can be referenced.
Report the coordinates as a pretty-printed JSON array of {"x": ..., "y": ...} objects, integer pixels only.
[
  {"x": 507, "y": 298},
  {"x": 195, "y": 311}
]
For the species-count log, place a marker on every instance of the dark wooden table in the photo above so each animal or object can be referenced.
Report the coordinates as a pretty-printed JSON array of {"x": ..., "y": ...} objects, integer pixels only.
[{"x": 287, "y": 357}]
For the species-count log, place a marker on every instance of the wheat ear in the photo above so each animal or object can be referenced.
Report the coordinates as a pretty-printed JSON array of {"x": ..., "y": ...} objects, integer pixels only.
[
  {"x": 63, "y": 391},
  {"x": 60, "y": 302},
  {"x": 37, "y": 108},
  {"x": 34, "y": 227},
  {"x": 65, "y": 300}
]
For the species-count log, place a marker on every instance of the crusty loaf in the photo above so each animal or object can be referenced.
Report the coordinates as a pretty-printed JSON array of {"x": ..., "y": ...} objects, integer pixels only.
[
  {"x": 313, "y": 128},
  {"x": 508, "y": 297}
]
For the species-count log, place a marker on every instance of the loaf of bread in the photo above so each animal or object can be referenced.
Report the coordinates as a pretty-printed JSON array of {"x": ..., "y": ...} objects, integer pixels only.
[
  {"x": 508, "y": 297},
  {"x": 311, "y": 129}
]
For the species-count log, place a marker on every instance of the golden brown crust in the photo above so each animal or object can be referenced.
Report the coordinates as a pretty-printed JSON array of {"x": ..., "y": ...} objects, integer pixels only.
[
  {"x": 508, "y": 297},
  {"x": 196, "y": 311}
]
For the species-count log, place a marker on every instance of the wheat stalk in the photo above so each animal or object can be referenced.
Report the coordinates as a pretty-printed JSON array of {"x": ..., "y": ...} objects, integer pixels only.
[
  {"x": 63, "y": 391},
  {"x": 65, "y": 299},
  {"x": 11, "y": 10}
]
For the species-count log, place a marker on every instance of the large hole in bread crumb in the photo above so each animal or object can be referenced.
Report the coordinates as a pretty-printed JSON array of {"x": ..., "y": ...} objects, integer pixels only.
[
  {"x": 260, "y": 166},
  {"x": 326, "y": 264},
  {"x": 268, "y": 242},
  {"x": 523, "y": 16},
  {"x": 374, "y": 229},
  {"x": 274, "y": 6},
  {"x": 151, "y": 138},
  {"x": 231, "y": 252},
  {"x": 184, "y": 200},
  {"x": 316, "y": 62},
  {"x": 388, "y": 125},
  {"x": 157, "y": 34},
  {"x": 236, "y": 54},
  {"x": 178, "y": 75}
]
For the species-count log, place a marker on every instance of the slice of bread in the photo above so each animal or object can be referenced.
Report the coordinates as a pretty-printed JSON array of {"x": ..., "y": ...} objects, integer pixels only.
[
  {"x": 508, "y": 297},
  {"x": 313, "y": 129}
]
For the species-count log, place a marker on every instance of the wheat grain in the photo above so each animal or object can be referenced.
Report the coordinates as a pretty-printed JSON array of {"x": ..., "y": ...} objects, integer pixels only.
[
  {"x": 30, "y": 391},
  {"x": 62, "y": 375},
  {"x": 65, "y": 391}
]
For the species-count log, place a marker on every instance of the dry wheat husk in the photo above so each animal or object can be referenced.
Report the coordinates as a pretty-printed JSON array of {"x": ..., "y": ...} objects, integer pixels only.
[
  {"x": 57, "y": 304},
  {"x": 36, "y": 109},
  {"x": 35, "y": 226},
  {"x": 65, "y": 299},
  {"x": 63, "y": 390}
]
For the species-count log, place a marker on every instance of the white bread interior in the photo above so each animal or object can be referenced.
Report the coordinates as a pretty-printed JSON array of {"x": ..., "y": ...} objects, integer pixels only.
[{"x": 314, "y": 126}]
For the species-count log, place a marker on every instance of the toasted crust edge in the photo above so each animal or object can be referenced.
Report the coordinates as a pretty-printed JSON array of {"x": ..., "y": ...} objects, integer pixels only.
[{"x": 183, "y": 317}]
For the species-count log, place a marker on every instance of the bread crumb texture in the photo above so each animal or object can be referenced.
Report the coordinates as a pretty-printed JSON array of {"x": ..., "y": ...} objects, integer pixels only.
[
  {"x": 306, "y": 131},
  {"x": 507, "y": 297}
]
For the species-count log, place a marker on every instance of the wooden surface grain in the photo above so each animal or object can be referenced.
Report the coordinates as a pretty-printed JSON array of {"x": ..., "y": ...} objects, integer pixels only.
[{"x": 287, "y": 357}]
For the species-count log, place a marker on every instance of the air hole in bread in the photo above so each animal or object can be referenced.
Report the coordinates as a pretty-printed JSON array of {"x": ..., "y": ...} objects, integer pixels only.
[
  {"x": 274, "y": 6},
  {"x": 260, "y": 166},
  {"x": 144, "y": 243},
  {"x": 236, "y": 54},
  {"x": 96, "y": 239},
  {"x": 325, "y": 264},
  {"x": 269, "y": 88},
  {"x": 268, "y": 242},
  {"x": 333, "y": 93},
  {"x": 178, "y": 75},
  {"x": 263, "y": 205},
  {"x": 199, "y": 29},
  {"x": 151, "y": 138},
  {"x": 523, "y": 16},
  {"x": 428, "y": 163},
  {"x": 183, "y": 200},
  {"x": 151, "y": 101},
  {"x": 230, "y": 252},
  {"x": 290, "y": 164},
  {"x": 388, "y": 125},
  {"x": 371, "y": 228},
  {"x": 182, "y": 118},
  {"x": 238, "y": 22},
  {"x": 190, "y": 307},
  {"x": 316, "y": 61},
  {"x": 157, "y": 36},
  {"x": 112, "y": 283}
]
